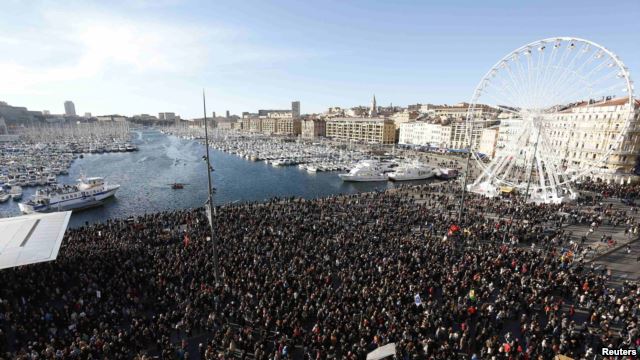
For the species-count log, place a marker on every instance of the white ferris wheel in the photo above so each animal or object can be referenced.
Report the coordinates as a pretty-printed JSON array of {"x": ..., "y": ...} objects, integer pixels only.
[{"x": 549, "y": 96}]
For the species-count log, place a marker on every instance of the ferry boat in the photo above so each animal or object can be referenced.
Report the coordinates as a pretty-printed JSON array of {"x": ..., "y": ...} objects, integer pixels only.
[
  {"x": 412, "y": 171},
  {"x": 88, "y": 192}
]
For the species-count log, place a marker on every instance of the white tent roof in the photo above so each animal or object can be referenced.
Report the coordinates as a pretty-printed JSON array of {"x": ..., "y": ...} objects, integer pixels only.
[
  {"x": 31, "y": 239},
  {"x": 382, "y": 352}
]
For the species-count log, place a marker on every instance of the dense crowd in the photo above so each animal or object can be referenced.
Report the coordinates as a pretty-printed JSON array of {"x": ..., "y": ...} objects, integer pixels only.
[
  {"x": 331, "y": 278},
  {"x": 628, "y": 191}
]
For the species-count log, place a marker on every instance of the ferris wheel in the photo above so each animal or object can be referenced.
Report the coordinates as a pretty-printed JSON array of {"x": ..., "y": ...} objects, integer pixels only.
[{"x": 556, "y": 110}]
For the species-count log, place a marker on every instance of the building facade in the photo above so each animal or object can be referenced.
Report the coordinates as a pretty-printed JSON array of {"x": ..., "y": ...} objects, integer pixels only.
[
  {"x": 227, "y": 125},
  {"x": 168, "y": 116},
  {"x": 277, "y": 114},
  {"x": 422, "y": 133},
  {"x": 295, "y": 109},
  {"x": 372, "y": 131},
  {"x": 488, "y": 141},
  {"x": 69, "y": 108},
  {"x": 288, "y": 126},
  {"x": 269, "y": 126},
  {"x": 403, "y": 117},
  {"x": 313, "y": 128},
  {"x": 255, "y": 125},
  {"x": 450, "y": 135},
  {"x": 245, "y": 123},
  {"x": 581, "y": 136},
  {"x": 458, "y": 111}
]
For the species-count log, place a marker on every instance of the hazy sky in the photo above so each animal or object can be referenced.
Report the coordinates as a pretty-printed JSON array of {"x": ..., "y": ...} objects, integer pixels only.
[{"x": 147, "y": 56}]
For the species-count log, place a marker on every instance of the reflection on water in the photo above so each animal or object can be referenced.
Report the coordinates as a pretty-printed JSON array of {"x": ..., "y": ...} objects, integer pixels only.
[{"x": 145, "y": 177}]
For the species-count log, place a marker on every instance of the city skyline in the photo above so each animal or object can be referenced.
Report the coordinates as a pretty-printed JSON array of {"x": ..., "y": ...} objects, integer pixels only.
[{"x": 123, "y": 59}]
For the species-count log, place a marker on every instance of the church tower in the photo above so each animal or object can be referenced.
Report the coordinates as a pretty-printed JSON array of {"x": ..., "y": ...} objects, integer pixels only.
[{"x": 374, "y": 109}]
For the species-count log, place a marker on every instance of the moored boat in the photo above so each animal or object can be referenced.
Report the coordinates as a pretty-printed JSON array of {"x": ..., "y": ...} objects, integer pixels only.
[
  {"x": 412, "y": 171},
  {"x": 88, "y": 192},
  {"x": 364, "y": 172},
  {"x": 16, "y": 193}
]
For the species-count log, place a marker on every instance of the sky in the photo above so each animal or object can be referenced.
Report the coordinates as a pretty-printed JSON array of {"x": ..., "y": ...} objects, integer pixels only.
[{"x": 150, "y": 56}]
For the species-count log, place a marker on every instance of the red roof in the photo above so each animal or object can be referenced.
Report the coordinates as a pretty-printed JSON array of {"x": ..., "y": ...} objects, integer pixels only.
[{"x": 612, "y": 102}]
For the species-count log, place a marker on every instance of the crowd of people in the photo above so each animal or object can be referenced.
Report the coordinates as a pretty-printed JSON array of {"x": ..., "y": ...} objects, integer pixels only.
[
  {"x": 613, "y": 190},
  {"x": 330, "y": 278}
]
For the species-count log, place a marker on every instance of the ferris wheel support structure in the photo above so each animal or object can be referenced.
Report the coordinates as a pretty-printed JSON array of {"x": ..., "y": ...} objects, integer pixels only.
[{"x": 542, "y": 93}]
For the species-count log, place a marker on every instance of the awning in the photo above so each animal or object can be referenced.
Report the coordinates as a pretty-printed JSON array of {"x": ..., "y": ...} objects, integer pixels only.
[
  {"x": 382, "y": 352},
  {"x": 31, "y": 239}
]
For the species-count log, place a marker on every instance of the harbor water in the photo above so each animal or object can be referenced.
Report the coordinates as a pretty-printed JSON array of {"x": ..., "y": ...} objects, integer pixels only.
[{"x": 146, "y": 176}]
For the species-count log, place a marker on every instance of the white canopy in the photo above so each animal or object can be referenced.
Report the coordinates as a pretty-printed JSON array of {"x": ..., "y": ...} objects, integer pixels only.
[
  {"x": 31, "y": 239},
  {"x": 382, "y": 352}
]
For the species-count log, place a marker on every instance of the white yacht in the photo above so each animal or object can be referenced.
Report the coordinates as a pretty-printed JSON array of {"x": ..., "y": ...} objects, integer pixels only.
[
  {"x": 283, "y": 162},
  {"x": 88, "y": 192},
  {"x": 16, "y": 193},
  {"x": 365, "y": 171},
  {"x": 412, "y": 171}
]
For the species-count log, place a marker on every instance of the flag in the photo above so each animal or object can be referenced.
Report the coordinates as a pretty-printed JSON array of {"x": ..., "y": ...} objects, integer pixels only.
[
  {"x": 186, "y": 240},
  {"x": 453, "y": 228},
  {"x": 472, "y": 295}
]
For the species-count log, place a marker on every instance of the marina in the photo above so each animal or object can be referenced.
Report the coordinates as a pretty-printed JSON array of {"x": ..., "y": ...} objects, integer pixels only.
[
  {"x": 318, "y": 156},
  {"x": 167, "y": 173},
  {"x": 47, "y": 152}
]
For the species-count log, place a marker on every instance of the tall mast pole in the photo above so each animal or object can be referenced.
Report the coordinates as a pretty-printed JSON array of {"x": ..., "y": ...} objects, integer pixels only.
[
  {"x": 214, "y": 242},
  {"x": 464, "y": 185},
  {"x": 466, "y": 171}
]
